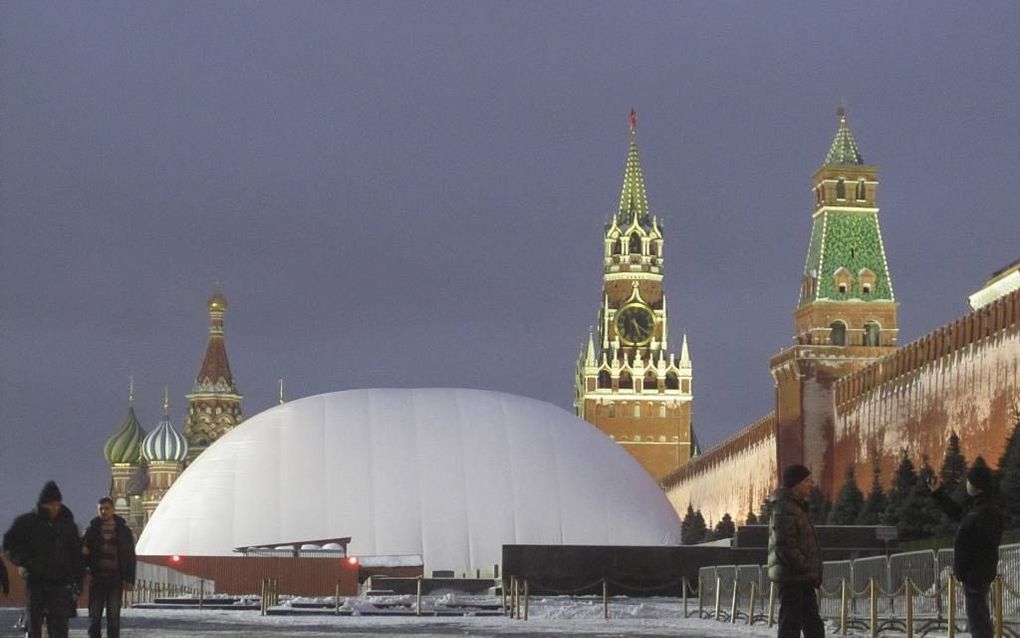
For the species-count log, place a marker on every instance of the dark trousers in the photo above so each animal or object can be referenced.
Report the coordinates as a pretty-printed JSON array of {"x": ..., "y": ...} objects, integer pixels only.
[
  {"x": 978, "y": 616},
  {"x": 105, "y": 593},
  {"x": 798, "y": 611},
  {"x": 52, "y": 602}
]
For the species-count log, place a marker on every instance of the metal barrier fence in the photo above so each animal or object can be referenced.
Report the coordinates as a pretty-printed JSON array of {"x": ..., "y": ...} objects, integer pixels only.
[{"x": 910, "y": 593}]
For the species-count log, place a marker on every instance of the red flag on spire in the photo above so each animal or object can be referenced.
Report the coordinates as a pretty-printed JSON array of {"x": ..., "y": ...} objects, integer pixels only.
[{"x": 633, "y": 119}]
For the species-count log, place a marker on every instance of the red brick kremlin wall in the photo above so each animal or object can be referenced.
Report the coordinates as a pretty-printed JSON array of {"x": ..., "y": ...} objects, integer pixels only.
[
  {"x": 965, "y": 376},
  {"x": 731, "y": 478}
]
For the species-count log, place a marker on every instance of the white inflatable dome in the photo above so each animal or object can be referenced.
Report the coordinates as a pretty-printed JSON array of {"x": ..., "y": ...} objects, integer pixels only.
[{"x": 449, "y": 474}]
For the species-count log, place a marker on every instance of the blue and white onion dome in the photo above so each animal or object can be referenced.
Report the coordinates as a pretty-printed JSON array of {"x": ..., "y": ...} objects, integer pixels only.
[{"x": 165, "y": 443}]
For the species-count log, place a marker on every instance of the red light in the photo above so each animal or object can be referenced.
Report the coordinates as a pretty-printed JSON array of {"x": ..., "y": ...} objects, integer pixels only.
[
  {"x": 175, "y": 558},
  {"x": 353, "y": 560}
]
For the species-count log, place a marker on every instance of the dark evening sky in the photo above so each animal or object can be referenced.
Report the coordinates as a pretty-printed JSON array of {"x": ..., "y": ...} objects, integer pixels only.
[{"x": 413, "y": 194}]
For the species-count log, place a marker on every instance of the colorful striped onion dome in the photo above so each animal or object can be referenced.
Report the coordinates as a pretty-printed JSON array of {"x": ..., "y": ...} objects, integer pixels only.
[
  {"x": 165, "y": 443},
  {"x": 123, "y": 447}
]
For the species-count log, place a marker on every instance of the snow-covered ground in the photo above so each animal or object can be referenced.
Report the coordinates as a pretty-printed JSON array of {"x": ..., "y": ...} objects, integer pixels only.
[
  {"x": 556, "y": 616},
  {"x": 547, "y": 617}
]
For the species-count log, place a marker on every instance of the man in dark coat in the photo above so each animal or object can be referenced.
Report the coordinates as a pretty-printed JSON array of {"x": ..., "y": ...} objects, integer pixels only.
[
  {"x": 45, "y": 546},
  {"x": 795, "y": 556},
  {"x": 976, "y": 550},
  {"x": 109, "y": 551}
]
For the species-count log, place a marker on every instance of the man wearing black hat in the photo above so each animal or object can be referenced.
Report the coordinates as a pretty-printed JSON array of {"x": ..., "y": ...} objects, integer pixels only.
[
  {"x": 976, "y": 550},
  {"x": 45, "y": 545},
  {"x": 795, "y": 556}
]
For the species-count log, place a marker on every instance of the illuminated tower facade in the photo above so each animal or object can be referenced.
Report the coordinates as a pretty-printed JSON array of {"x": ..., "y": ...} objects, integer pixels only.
[
  {"x": 214, "y": 404},
  {"x": 628, "y": 383},
  {"x": 847, "y": 314}
]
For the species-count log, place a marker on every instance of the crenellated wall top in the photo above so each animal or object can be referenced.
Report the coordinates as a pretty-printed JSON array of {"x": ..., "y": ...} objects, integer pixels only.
[
  {"x": 987, "y": 321},
  {"x": 753, "y": 434}
]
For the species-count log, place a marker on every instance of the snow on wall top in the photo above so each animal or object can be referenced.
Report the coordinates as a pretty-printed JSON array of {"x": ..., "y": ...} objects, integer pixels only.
[{"x": 450, "y": 474}]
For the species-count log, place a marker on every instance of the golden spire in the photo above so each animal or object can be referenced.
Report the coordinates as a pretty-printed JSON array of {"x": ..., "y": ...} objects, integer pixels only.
[
  {"x": 131, "y": 391},
  {"x": 166, "y": 401}
]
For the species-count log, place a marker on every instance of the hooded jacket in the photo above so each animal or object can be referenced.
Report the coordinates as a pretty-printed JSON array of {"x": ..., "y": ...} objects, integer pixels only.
[
  {"x": 795, "y": 556},
  {"x": 93, "y": 541},
  {"x": 49, "y": 551},
  {"x": 976, "y": 549}
]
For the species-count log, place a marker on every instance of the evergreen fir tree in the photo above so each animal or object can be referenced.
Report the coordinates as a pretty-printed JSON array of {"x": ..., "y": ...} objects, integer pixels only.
[
  {"x": 751, "y": 519},
  {"x": 849, "y": 501},
  {"x": 699, "y": 531},
  {"x": 919, "y": 516},
  {"x": 954, "y": 466},
  {"x": 818, "y": 505},
  {"x": 686, "y": 525},
  {"x": 724, "y": 528},
  {"x": 903, "y": 481},
  {"x": 874, "y": 506},
  {"x": 1009, "y": 475}
]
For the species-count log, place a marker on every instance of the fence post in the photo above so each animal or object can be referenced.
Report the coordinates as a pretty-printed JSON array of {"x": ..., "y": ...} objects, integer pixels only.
[
  {"x": 772, "y": 604},
  {"x": 201, "y": 593},
  {"x": 517, "y": 598},
  {"x": 908, "y": 591},
  {"x": 683, "y": 594},
  {"x": 718, "y": 587},
  {"x": 997, "y": 603},
  {"x": 842, "y": 607},
  {"x": 605, "y": 598},
  {"x": 262, "y": 598},
  {"x": 873, "y": 597},
  {"x": 733, "y": 605},
  {"x": 951, "y": 603},
  {"x": 417, "y": 598},
  {"x": 525, "y": 600},
  {"x": 750, "y": 608}
]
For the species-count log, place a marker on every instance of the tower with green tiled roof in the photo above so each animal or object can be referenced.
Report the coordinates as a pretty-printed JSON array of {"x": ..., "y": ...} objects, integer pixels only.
[
  {"x": 846, "y": 316},
  {"x": 628, "y": 382},
  {"x": 846, "y": 293}
]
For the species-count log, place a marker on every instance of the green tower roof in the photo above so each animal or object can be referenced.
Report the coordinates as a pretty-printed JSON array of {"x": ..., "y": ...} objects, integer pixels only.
[
  {"x": 633, "y": 199},
  {"x": 853, "y": 241},
  {"x": 844, "y": 149}
]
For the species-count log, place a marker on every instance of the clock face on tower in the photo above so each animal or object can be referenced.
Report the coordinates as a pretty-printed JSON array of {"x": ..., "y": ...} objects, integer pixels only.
[{"x": 635, "y": 324}]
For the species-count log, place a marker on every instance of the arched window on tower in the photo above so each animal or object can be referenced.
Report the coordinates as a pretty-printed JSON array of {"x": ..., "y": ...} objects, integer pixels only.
[
  {"x": 862, "y": 190},
  {"x": 605, "y": 379},
  {"x": 872, "y": 334},
  {"x": 635, "y": 244},
  {"x": 672, "y": 381},
  {"x": 841, "y": 189},
  {"x": 620, "y": 247},
  {"x": 626, "y": 381},
  {"x": 651, "y": 383},
  {"x": 837, "y": 335}
]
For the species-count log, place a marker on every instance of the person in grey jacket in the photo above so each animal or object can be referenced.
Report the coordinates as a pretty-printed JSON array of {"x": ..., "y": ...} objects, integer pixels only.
[{"x": 795, "y": 556}]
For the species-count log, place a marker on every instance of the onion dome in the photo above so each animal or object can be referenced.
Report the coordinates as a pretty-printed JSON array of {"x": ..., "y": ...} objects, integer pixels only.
[
  {"x": 123, "y": 447},
  {"x": 165, "y": 443}
]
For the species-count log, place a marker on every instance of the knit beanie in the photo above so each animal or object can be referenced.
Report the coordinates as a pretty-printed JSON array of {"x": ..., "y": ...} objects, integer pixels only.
[
  {"x": 981, "y": 477},
  {"x": 50, "y": 493},
  {"x": 794, "y": 474}
]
